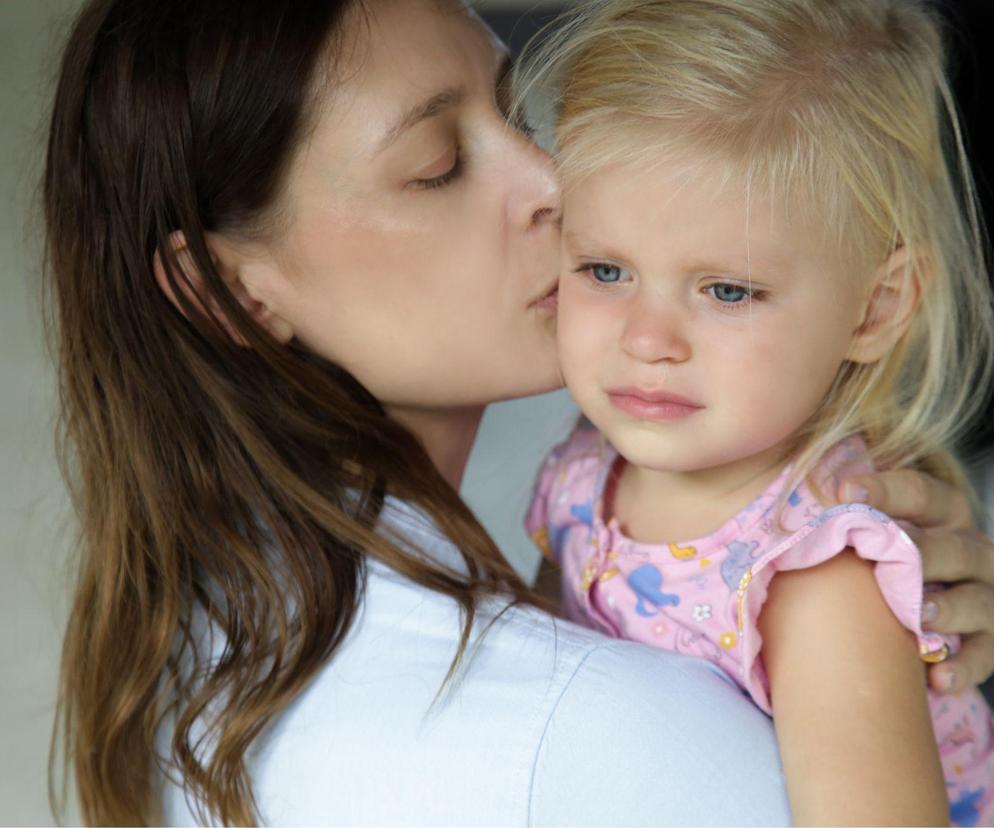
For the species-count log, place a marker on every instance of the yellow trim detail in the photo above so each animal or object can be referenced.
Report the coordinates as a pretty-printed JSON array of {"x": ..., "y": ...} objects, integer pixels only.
[
  {"x": 682, "y": 553},
  {"x": 740, "y": 601}
]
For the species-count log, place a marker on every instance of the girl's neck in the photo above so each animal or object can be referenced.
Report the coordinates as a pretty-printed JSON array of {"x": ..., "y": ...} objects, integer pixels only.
[
  {"x": 654, "y": 506},
  {"x": 447, "y": 434}
]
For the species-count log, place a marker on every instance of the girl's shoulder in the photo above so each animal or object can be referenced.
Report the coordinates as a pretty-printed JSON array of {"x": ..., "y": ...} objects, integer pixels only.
[{"x": 810, "y": 530}]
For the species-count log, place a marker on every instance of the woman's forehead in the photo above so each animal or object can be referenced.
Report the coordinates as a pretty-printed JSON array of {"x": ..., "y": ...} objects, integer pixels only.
[
  {"x": 405, "y": 43},
  {"x": 404, "y": 55}
]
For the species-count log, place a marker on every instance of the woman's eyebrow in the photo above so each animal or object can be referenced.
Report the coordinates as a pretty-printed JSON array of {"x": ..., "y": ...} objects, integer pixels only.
[
  {"x": 441, "y": 101},
  {"x": 428, "y": 108}
]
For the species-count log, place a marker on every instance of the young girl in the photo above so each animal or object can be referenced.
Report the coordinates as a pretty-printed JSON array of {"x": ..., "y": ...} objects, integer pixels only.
[{"x": 771, "y": 279}]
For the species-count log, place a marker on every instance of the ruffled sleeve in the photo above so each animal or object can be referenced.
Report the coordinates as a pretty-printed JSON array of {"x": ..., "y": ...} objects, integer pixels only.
[
  {"x": 537, "y": 517},
  {"x": 549, "y": 513},
  {"x": 874, "y": 537}
]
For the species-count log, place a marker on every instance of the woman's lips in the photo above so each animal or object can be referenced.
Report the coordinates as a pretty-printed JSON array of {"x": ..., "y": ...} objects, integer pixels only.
[
  {"x": 548, "y": 301},
  {"x": 652, "y": 405}
]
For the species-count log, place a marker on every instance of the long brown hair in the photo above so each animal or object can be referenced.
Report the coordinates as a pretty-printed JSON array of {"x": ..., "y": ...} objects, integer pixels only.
[{"x": 237, "y": 484}]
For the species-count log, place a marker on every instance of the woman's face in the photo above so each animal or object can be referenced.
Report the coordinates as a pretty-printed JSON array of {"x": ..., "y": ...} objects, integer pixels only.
[{"x": 423, "y": 229}]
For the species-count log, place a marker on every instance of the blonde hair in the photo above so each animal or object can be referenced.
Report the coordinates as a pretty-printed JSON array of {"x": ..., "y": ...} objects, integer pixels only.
[{"x": 841, "y": 109}]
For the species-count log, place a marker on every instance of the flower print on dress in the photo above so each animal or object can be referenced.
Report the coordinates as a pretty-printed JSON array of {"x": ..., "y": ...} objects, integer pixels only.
[{"x": 701, "y": 612}]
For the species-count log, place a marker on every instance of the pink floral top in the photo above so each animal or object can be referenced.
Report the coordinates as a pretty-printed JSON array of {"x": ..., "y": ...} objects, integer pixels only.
[{"x": 703, "y": 597}]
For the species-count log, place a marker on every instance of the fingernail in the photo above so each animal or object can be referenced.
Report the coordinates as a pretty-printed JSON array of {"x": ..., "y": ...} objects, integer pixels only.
[
  {"x": 930, "y": 611},
  {"x": 947, "y": 679},
  {"x": 855, "y": 493}
]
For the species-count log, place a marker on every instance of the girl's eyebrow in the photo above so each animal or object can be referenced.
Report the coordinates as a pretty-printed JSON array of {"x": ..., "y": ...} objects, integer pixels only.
[{"x": 578, "y": 241}]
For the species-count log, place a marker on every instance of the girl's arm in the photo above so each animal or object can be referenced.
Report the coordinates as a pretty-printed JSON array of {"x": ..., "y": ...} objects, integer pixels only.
[{"x": 849, "y": 702}]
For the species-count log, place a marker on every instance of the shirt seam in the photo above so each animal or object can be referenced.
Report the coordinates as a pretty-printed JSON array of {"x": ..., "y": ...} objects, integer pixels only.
[{"x": 545, "y": 729}]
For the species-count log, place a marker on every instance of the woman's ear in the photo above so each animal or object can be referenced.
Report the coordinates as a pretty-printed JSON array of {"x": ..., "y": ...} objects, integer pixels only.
[
  {"x": 896, "y": 294},
  {"x": 242, "y": 276}
]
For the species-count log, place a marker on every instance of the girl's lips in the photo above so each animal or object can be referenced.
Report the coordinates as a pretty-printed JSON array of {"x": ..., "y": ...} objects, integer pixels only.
[{"x": 652, "y": 405}]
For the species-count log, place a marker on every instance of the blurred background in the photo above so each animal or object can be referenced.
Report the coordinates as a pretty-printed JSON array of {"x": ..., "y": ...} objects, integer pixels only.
[{"x": 35, "y": 525}]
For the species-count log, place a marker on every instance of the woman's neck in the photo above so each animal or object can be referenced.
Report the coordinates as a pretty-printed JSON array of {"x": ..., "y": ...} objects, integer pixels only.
[{"x": 447, "y": 434}]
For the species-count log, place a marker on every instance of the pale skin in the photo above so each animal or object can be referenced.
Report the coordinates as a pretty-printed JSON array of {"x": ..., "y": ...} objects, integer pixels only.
[
  {"x": 749, "y": 315},
  {"x": 420, "y": 266}
]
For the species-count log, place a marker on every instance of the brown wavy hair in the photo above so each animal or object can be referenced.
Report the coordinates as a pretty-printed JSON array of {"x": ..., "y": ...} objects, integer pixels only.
[{"x": 240, "y": 485}]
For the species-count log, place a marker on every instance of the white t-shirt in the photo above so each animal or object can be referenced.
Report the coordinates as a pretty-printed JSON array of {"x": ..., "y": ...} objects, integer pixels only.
[{"x": 547, "y": 724}]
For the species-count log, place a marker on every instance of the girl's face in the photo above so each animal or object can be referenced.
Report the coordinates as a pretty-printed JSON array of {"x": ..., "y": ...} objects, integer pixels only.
[
  {"x": 423, "y": 228},
  {"x": 696, "y": 329}
]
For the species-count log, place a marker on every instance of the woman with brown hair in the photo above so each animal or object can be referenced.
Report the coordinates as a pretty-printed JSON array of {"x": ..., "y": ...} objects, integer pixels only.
[{"x": 294, "y": 250}]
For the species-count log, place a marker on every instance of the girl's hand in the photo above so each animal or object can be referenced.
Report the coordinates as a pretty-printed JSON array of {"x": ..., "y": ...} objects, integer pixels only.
[{"x": 953, "y": 551}]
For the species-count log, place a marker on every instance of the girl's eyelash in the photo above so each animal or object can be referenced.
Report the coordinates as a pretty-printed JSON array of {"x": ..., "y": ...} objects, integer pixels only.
[
  {"x": 445, "y": 178},
  {"x": 588, "y": 268},
  {"x": 751, "y": 295}
]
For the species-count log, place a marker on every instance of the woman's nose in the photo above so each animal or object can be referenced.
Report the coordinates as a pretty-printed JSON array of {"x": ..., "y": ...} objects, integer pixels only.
[
  {"x": 536, "y": 202},
  {"x": 653, "y": 332}
]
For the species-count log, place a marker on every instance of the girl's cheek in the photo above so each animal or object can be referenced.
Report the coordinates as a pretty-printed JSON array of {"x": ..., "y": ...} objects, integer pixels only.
[{"x": 588, "y": 325}]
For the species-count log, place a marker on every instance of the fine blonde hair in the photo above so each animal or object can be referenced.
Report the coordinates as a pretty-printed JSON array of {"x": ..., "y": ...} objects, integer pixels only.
[{"x": 841, "y": 110}]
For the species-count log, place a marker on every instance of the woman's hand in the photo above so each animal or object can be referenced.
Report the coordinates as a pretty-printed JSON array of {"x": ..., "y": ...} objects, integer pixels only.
[{"x": 953, "y": 551}]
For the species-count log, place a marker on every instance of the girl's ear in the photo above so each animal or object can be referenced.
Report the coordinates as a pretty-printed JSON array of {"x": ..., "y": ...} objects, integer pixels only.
[
  {"x": 242, "y": 276},
  {"x": 898, "y": 285}
]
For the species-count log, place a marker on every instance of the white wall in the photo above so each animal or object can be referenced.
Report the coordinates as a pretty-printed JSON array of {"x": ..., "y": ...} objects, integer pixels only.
[
  {"x": 33, "y": 511},
  {"x": 35, "y": 528}
]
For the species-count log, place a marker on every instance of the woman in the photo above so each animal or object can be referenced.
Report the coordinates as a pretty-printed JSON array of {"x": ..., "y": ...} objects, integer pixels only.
[{"x": 295, "y": 250}]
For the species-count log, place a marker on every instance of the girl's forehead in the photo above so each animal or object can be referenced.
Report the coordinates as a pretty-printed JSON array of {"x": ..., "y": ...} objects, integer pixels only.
[{"x": 689, "y": 209}]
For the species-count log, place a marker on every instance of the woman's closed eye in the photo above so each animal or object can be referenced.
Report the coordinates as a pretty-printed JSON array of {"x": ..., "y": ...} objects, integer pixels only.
[{"x": 450, "y": 174}]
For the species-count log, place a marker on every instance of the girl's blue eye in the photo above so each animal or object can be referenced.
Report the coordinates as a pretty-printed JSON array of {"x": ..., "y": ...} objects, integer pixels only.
[
  {"x": 730, "y": 294},
  {"x": 605, "y": 273}
]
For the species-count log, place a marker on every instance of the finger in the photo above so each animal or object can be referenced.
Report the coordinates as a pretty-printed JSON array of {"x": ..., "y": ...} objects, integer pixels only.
[
  {"x": 910, "y": 495},
  {"x": 971, "y": 666},
  {"x": 965, "y": 608},
  {"x": 965, "y": 555}
]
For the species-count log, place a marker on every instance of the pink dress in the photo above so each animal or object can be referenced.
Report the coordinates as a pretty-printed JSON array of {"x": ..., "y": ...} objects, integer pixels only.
[{"x": 703, "y": 597}]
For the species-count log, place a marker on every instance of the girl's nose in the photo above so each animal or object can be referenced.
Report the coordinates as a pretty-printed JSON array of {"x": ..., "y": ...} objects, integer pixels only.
[{"x": 654, "y": 333}]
